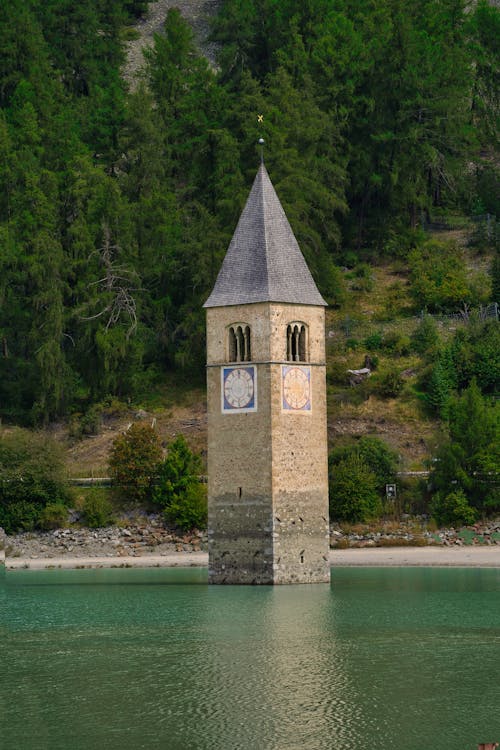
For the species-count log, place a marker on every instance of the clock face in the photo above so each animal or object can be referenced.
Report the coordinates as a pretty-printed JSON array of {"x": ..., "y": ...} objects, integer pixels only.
[
  {"x": 238, "y": 389},
  {"x": 296, "y": 388}
]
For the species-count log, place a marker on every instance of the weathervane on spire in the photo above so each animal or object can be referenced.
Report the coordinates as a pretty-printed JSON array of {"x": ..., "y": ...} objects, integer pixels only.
[{"x": 260, "y": 120}]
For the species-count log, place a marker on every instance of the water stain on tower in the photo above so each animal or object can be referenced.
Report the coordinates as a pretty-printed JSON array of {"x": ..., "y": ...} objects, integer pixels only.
[{"x": 267, "y": 440}]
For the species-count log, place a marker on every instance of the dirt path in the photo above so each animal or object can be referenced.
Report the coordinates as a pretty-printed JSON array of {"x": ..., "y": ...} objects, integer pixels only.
[{"x": 197, "y": 12}]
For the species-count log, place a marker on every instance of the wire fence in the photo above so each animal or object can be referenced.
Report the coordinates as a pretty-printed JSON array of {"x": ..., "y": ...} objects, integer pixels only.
[{"x": 351, "y": 328}]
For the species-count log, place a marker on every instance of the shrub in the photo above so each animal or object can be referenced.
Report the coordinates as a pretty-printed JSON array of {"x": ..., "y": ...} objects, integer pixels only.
[
  {"x": 134, "y": 462},
  {"x": 86, "y": 424},
  {"x": 31, "y": 477},
  {"x": 353, "y": 491},
  {"x": 53, "y": 516},
  {"x": 362, "y": 278},
  {"x": 178, "y": 489},
  {"x": 397, "y": 344},
  {"x": 19, "y": 516},
  {"x": 476, "y": 353},
  {"x": 377, "y": 456},
  {"x": 389, "y": 385},
  {"x": 452, "y": 509},
  {"x": 97, "y": 509},
  {"x": 393, "y": 299},
  {"x": 380, "y": 459},
  {"x": 438, "y": 278},
  {"x": 374, "y": 341},
  {"x": 425, "y": 336},
  {"x": 190, "y": 511}
]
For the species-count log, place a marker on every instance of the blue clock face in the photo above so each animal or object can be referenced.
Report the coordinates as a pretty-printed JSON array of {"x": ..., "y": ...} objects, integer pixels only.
[
  {"x": 238, "y": 389},
  {"x": 296, "y": 388}
]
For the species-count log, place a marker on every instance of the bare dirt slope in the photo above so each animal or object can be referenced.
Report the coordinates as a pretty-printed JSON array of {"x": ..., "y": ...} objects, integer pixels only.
[
  {"x": 89, "y": 456},
  {"x": 197, "y": 12}
]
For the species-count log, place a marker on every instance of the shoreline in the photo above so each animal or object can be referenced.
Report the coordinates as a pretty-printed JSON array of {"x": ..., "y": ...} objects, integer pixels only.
[{"x": 487, "y": 556}]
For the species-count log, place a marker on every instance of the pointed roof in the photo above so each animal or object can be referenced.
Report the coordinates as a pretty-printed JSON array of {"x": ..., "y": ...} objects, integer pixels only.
[{"x": 264, "y": 262}]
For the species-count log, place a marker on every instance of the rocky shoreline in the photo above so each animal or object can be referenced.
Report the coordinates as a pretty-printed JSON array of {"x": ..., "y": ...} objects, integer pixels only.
[
  {"x": 146, "y": 535},
  {"x": 413, "y": 532}
]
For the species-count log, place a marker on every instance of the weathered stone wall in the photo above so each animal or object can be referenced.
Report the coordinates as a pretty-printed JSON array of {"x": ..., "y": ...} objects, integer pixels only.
[
  {"x": 267, "y": 470},
  {"x": 239, "y": 460},
  {"x": 300, "y": 487}
]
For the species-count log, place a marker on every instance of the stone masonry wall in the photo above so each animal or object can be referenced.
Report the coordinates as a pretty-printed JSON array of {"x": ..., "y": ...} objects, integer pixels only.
[{"x": 268, "y": 483}]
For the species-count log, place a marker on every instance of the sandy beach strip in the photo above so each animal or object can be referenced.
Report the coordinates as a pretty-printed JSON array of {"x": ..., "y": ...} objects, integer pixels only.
[{"x": 459, "y": 557}]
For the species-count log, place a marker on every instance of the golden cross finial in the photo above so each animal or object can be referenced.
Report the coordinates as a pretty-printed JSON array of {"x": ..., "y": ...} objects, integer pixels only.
[{"x": 260, "y": 118}]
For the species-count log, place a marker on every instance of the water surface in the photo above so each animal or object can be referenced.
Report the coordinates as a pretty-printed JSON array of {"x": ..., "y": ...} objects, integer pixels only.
[{"x": 117, "y": 659}]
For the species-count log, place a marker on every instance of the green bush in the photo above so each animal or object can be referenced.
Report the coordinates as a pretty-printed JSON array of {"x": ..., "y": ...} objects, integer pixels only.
[
  {"x": 374, "y": 341},
  {"x": 97, "y": 509},
  {"x": 380, "y": 459},
  {"x": 31, "y": 476},
  {"x": 396, "y": 343},
  {"x": 438, "y": 278},
  {"x": 425, "y": 337},
  {"x": 389, "y": 384},
  {"x": 352, "y": 344},
  {"x": 53, "y": 516},
  {"x": 88, "y": 423},
  {"x": 475, "y": 351},
  {"x": 353, "y": 491},
  {"x": 134, "y": 462},
  {"x": 452, "y": 509},
  {"x": 178, "y": 489},
  {"x": 19, "y": 516},
  {"x": 362, "y": 278},
  {"x": 189, "y": 511}
]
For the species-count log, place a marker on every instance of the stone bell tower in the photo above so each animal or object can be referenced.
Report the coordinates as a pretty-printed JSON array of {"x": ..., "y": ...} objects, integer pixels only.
[{"x": 267, "y": 441}]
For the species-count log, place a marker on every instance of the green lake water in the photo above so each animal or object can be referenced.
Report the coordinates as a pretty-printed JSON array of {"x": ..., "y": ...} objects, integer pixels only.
[{"x": 127, "y": 659}]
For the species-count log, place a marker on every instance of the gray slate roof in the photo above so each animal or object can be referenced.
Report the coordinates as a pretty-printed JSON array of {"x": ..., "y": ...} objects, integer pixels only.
[{"x": 264, "y": 262}]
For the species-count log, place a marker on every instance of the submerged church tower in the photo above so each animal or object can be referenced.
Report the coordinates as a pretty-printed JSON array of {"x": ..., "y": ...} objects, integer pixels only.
[{"x": 267, "y": 441}]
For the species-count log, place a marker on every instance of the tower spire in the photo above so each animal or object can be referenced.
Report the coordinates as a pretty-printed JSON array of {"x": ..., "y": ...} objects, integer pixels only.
[
  {"x": 261, "y": 144},
  {"x": 264, "y": 262}
]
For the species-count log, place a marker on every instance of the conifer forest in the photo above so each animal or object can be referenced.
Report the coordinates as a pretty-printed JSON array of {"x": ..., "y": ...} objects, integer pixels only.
[{"x": 117, "y": 203}]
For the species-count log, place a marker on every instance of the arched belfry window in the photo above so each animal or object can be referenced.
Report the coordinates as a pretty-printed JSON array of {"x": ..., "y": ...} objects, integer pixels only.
[
  {"x": 239, "y": 345},
  {"x": 296, "y": 342}
]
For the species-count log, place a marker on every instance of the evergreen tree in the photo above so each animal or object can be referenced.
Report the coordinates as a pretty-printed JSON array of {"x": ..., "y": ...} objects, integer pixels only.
[
  {"x": 470, "y": 460},
  {"x": 442, "y": 383}
]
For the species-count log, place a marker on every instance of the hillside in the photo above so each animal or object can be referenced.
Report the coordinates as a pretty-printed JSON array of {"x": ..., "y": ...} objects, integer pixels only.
[{"x": 176, "y": 407}]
